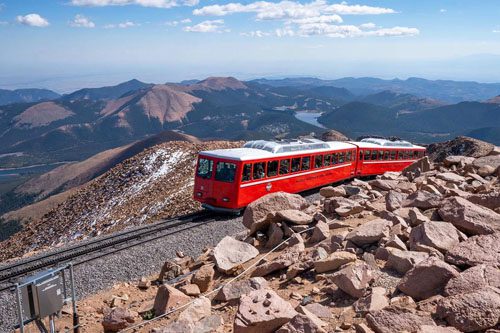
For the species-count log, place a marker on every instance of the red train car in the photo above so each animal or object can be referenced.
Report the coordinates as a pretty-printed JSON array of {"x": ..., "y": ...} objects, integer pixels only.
[{"x": 229, "y": 179}]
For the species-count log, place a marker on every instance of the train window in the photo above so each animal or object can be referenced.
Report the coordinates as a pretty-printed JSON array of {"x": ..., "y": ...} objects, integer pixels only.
[
  {"x": 415, "y": 154},
  {"x": 341, "y": 157},
  {"x": 247, "y": 173},
  {"x": 318, "y": 161},
  {"x": 400, "y": 155},
  {"x": 393, "y": 155},
  {"x": 258, "y": 170},
  {"x": 360, "y": 155},
  {"x": 205, "y": 167},
  {"x": 348, "y": 157},
  {"x": 374, "y": 155},
  {"x": 306, "y": 163},
  {"x": 225, "y": 172},
  {"x": 367, "y": 155},
  {"x": 380, "y": 155},
  {"x": 354, "y": 155},
  {"x": 272, "y": 168},
  {"x": 284, "y": 167},
  {"x": 296, "y": 164},
  {"x": 328, "y": 159},
  {"x": 386, "y": 155},
  {"x": 335, "y": 158}
]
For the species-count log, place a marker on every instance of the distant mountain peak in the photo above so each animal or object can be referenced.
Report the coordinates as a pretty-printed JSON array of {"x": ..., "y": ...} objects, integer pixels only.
[{"x": 221, "y": 83}]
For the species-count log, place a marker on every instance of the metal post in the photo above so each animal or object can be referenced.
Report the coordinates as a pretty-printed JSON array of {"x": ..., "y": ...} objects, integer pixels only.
[
  {"x": 52, "y": 324},
  {"x": 19, "y": 308},
  {"x": 76, "y": 321}
]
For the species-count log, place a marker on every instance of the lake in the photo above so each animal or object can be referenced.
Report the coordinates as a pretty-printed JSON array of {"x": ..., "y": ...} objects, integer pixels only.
[{"x": 310, "y": 117}]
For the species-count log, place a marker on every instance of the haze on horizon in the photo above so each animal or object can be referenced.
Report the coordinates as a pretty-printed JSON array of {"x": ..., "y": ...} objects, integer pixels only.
[{"x": 70, "y": 44}]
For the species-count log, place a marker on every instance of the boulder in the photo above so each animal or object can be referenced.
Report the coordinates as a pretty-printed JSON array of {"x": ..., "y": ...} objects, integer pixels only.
[
  {"x": 423, "y": 200},
  {"x": 334, "y": 261},
  {"x": 471, "y": 312},
  {"x": 118, "y": 319},
  {"x": 451, "y": 177},
  {"x": 436, "y": 329},
  {"x": 333, "y": 135},
  {"x": 167, "y": 298},
  {"x": 461, "y": 145},
  {"x": 468, "y": 217},
  {"x": 303, "y": 310},
  {"x": 348, "y": 210},
  {"x": 373, "y": 302},
  {"x": 274, "y": 235},
  {"x": 416, "y": 217},
  {"x": 284, "y": 260},
  {"x": 352, "y": 190},
  {"x": 295, "y": 216},
  {"x": 457, "y": 160},
  {"x": 235, "y": 290},
  {"x": 321, "y": 311},
  {"x": 486, "y": 170},
  {"x": 301, "y": 324},
  {"x": 321, "y": 232},
  {"x": 427, "y": 278},
  {"x": 262, "y": 311},
  {"x": 170, "y": 270},
  {"x": 421, "y": 165},
  {"x": 370, "y": 232},
  {"x": 473, "y": 279},
  {"x": 230, "y": 254},
  {"x": 440, "y": 235},
  {"x": 200, "y": 308},
  {"x": 256, "y": 214},
  {"x": 190, "y": 289},
  {"x": 204, "y": 277},
  {"x": 476, "y": 250},
  {"x": 330, "y": 191},
  {"x": 384, "y": 185},
  {"x": 353, "y": 279},
  {"x": 390, "y": 320},
  {"x": 209, "y": 324},
  {"x": 403, "y": 261},
  {"x": 489, "y": 200},
  {"x": 394, "y": 200},
  {"x": 491, "y": 161}
]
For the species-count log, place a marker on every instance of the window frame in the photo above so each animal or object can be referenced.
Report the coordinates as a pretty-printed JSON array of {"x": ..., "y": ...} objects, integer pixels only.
[
  {"x": 289, "y": 166},
  {"x": 250, "y": 173},
  {"x": 210, "y": 167},
  {"x": 277, "y": 168},
  {"x": 217, "y": 172}
]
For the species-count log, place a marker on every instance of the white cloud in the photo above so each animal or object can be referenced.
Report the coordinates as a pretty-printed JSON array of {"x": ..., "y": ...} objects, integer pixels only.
[
  {"x": 143, "y": 3},
  {"x": 287, "y": 9},
  {"x": 318, "y": 19},
  {"x": 256, "y": 33},
  {"x": 496, "y": 31},
  {"x": 123, "y": 25},
  {"x": 367, "y": 26},
  {"x": 442, "y": 10},
  {"x": 176, "y": 23},
  {"x": 207, "y": 26},
  {"x": 81, "y": 21},
  {"x": 285, "y": 32},
  {"x": 343, "y": 31},
  {"x": 395, "y": 31},
  {"x": 33, "y": 20}
]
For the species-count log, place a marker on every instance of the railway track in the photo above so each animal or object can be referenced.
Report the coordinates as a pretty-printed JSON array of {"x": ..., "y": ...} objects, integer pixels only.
[{"x": 95, "y": 248}]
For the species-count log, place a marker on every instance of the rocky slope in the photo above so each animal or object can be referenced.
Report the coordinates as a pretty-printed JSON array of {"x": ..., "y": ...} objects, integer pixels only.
[
  {"x": 154, "y": 184},
  {"x": 415, "y": 252}
]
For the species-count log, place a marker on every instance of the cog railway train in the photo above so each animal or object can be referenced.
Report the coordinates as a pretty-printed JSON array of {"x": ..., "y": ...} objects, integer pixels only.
[{"x": 227, "y": 180}]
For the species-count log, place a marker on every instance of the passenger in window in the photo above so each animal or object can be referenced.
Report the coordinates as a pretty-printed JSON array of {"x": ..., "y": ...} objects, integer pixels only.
[
  {"x": 318, "y": 161},
  {"x": 295, "y": 164},
  {"x": 341, "y": 157},
  {"x": 335, "y": 158},
  {"x": 393, "y": 155},
  {"x": 247, "y": 171},
  {"x": 284, "y": 167},
  {"x": 328, "y": 159},
  {"x": 306, "y": 163},
  {"x": 258, "y": 171},
  {"x": 367, "y": 155},
  {"x": 374, "y": 155},
  {"x": 272, "y": 168},
  {"x": 348, "y": 156}
]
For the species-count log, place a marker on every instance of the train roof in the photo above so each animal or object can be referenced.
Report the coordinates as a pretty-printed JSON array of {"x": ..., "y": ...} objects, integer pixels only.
[
  {"x": 378, "y": 143},
  {"x": 261, "y": 149},
  {"x": 269, "y": 149}
]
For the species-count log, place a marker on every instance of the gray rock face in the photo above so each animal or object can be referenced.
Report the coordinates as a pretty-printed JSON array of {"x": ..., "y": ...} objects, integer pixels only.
[
  {"x": 471, "y": 312},
  {"x": 458, "y": 160},
  {"x": 256, "y": 214},
  {"x": 468, "y": 217},
  {"x": 262, "y": 311},
  {"x": 295, "y": 216},
  {"x": 353, "y": 279},
  {"x": 320, "y": 232},
  {"x": 230, "y": 254},
  {"x": 330, "y": 191},
  {"x": 274, "y": 235},
  {"x": 476, "y": 250},
  {"x": 473, "y": 279},
  {"x": 440, "y": 235},
  {"x": 423, "y": 200},
  {"x": 427, "y": 278},
  {"x": 370, "y": 232},
  {"x": 492, "y": 161},
  {"x": 403, "y": 261},
  {"x": 394, "y": 200},
  {"x": 489, "y": 200},
  {"x": 451, "y": 177},
  {"x": 235, "y": 290},
  {"x": 392, "y": 320}
]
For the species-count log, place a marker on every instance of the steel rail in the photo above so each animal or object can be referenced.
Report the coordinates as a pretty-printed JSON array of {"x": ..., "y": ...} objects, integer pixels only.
[{"x": 34, "y": 263}]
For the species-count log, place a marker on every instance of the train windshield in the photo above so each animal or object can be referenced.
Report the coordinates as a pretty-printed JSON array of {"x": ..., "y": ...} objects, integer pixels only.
[
  {"x": 225, "y": 172},
  {"x": 205, "y": 167}
]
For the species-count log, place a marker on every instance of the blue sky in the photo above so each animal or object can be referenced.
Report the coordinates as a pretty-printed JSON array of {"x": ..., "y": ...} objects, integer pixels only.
[{"x": 68, "y": 44}]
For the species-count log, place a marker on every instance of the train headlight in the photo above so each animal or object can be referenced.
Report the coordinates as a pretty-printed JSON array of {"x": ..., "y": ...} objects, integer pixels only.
[{"x": 225, "y": 199}]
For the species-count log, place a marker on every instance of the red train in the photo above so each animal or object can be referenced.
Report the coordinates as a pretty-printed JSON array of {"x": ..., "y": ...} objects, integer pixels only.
[{"x": 227, "y": 180}]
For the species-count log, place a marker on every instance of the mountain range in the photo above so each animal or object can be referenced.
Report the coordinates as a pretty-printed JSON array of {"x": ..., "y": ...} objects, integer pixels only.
[{"x": 76, "y": 126}]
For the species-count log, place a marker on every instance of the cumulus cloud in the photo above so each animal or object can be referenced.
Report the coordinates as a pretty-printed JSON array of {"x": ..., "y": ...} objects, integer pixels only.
[
  {"x": 33, "y": 20},
  {"x": 143, "y": 3},
  {"x": 256, "y": 33},
  {"x": 367, "y": 26},
  {"x": 81, "y": 21},
  {"x": 265, "y": 10},
  {"x": 176, "y": 23},
  {"x": 442, "y": 10},
  {"x": 285, "y": 32},
  {"x": 123, "y": 25},
  {"x": 207, "y": 26},
  {"x": 344, "y": 31},
  {"x": 318, "y": 19}
]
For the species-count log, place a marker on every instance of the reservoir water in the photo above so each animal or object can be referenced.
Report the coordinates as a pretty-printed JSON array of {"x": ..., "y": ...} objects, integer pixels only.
[{"x": 310, "y": 117}]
